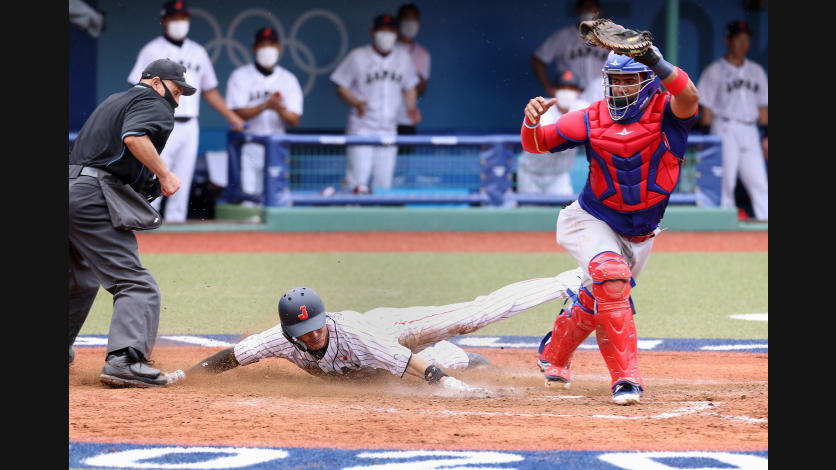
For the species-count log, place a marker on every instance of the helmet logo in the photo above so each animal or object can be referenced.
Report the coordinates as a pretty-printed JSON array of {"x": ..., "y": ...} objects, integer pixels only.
[{"x": 304, "y": 314}]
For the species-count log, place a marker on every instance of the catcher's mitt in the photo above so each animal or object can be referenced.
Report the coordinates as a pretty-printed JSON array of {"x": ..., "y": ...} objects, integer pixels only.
[{"x": 604, "y": 33}]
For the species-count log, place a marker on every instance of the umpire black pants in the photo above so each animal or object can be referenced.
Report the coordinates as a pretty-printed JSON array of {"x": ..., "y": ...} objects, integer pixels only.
[{"x": 101, "y": 255}]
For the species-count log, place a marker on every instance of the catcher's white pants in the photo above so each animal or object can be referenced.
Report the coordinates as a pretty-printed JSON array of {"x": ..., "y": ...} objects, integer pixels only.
[
  {"x": 585, "y": 236},
  {"x": 180, "y": 156},
  {"x": 363, "y": 161},
  {"x": 426, "y": 328},
  {"x": 252, "y": 169},
  {"x": 743, "y": 154}
]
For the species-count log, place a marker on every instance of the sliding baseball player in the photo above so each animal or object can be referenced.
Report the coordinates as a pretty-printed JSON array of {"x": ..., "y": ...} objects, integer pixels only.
[{"x": 409, "y": 340}]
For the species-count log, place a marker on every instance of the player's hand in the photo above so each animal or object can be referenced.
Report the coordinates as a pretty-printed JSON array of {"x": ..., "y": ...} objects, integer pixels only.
[
  {"x": 169, "y": 183},
  {"x": 361, "y": 108},
  {"x": 456, "y": 385},
  {"x": 536, "y": 107},
  {"x": 176, "y": 376},
  {"x": 236, "y": 123},
  {"x": 414, "y": 115}
]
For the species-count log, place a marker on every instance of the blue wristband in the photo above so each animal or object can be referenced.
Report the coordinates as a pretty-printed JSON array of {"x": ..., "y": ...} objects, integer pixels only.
[{"x": 662, "y": 69}]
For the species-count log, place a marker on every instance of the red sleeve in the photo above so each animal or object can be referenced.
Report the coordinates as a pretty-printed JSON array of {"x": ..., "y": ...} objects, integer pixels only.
[
  {"x": 539, "y": 139},
  {"x": 572, "y": 126}
]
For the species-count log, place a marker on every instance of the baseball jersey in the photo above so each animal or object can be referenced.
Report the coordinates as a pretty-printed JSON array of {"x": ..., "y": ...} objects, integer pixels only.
[
  {"x": 380, "y": 82},
  {"x": 571, "y": 52},
  {"x": 199, "y": 70},
  {"x": 421, "y": 60},
  {"x": 354, "y": 344},
  {"x": 734, "y": 92},
  {"x": 247, "y": 87}
]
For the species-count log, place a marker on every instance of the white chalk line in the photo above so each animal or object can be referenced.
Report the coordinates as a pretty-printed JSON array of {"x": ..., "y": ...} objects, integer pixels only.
[{"x": 687, "y": 408}]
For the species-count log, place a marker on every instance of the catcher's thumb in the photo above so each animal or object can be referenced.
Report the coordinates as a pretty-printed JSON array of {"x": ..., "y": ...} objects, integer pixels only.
[{"x": 548, "y": 104}]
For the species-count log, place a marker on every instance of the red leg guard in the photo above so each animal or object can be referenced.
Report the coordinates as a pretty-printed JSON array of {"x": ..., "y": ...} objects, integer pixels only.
[
  {"x": 569, "y": 331},
  {"x": 615, "y": 330}
]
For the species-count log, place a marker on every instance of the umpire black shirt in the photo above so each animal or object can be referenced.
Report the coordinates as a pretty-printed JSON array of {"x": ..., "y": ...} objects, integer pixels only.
[{"x": 138, "y": 111}]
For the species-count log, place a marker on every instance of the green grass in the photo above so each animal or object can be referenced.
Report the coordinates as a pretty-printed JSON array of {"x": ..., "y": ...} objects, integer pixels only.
[{"x": 679, "y": 295}]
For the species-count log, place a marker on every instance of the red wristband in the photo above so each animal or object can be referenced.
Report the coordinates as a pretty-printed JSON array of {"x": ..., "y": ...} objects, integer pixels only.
[{"x": 679, "y": 83}]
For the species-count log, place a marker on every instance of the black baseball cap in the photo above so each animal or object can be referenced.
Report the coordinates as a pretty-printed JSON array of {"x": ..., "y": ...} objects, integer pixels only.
[
  {"x": 384, "y": 20},
  {"x": 167, "y": 69},
  {"x": 567, "y": 77},
  {"x": 172, "y": 7},
  {"x": 265, "y": 34},
  {"x": 737, "y": 26}
]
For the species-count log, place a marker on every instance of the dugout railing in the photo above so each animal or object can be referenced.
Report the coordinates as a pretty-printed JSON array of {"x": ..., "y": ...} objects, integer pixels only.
[{"x": 475, "y": 170}]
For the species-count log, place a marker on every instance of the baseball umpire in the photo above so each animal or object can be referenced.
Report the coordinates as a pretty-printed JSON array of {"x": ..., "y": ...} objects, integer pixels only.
[{"x": 111, "y": 184}]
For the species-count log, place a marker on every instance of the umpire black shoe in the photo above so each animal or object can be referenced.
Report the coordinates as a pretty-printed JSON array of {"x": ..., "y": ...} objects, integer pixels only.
[
  {"x": 72, "y": 354},
  {"x": 128, "y": 368},
  {"x": 478, "y": 360}
]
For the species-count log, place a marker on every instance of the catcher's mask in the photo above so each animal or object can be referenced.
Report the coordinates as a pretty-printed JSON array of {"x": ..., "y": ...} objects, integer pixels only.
[
  {"x": 300, "y": 311},
  {"x": 628, "y": 106}
]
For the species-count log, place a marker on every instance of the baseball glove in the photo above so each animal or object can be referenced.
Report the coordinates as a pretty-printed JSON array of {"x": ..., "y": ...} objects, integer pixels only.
[{"x": 604, "y": 33}]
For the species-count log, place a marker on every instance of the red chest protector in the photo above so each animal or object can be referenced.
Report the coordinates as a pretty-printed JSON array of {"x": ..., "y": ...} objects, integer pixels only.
[{"x": 631, "y": 167}]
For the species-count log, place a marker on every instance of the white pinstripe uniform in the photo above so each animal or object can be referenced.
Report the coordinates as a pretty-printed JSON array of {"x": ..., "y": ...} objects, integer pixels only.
[
  {"x": 180, "y": 153},
  {"x": 380, "y": 82},
  {"x": 734, "y": 94},
  {"x": 385, "y": 338},
  {"x": 570, "y": 51}
]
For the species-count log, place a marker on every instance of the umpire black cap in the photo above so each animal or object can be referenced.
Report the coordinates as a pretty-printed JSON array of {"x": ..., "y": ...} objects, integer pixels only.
[
  {"x": 167, "y": 69},
  {"x": 301, "y": 311}
]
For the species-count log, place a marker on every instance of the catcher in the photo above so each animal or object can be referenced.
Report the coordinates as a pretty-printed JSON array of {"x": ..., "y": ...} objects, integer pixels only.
[
  {"x": 635, "y": 141},
  {"x": 409, "y": 340}
]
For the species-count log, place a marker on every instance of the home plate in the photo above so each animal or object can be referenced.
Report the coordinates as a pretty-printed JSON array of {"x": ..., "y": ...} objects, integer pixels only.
[{"x": 751, "y": 316}]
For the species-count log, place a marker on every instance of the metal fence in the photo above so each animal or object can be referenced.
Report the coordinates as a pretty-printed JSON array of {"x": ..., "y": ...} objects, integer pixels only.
[{"x": 306, "y": 170}]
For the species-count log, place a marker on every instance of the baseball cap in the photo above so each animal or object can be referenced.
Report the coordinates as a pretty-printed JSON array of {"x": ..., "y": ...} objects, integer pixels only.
[
  {"x": 172, "y": 7},
  {"x": 566, "y": 77},
  {"x": 737, "y": 26},
  {"x": 167, "y": 69},
  {"x": 266, "y": 33},
  {"x": 384, "y": 20}
]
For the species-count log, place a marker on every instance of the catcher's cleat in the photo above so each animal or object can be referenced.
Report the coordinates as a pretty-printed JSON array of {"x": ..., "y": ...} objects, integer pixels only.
[
  {"x": 127, "y": 368},
  {"x": 626, "y": 393},
  {"x": 477, "y": 361},
  {"x": 557, "y": 377},
  {"x": 542, "y": 363}
]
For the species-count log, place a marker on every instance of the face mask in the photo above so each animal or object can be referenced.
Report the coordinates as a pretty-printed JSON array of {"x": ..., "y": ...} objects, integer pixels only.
[
  {"x": 177, "y": 30},
  {"x": 566, "y": 97},
  {"x": 168, "y": 96},
  {"x": 267, "y": 56},
  {"x": 409, "y": 28},
  {"x": 384, "y": 40},
  {"x": 586, "y": 16}
]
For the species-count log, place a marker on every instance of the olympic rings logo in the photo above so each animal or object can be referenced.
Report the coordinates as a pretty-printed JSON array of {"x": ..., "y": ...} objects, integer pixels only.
[{"x": 301, "y": 54}]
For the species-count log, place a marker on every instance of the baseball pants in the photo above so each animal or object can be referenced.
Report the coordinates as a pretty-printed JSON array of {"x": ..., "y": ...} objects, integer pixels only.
[
  {"x": 365, "y": 161},
  {"x": 743, "y": 155},
  {"x": 180, "y": 155},
  {"x": 252, "y": 169},
  {"x": 529, "y": 182},
  {"x": 101, "y": 255},
  {"x": 427, "y": 328},
  {"x": 585, "y": 236}
]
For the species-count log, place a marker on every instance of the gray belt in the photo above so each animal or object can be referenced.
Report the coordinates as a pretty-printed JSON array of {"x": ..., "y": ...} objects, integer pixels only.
[{"x": 94, "y": 172}]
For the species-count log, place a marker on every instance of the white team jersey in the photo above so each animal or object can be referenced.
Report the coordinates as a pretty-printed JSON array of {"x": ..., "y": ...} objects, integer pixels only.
[
  {"x": 734, "y": 92},
  {"x": 199, "y": 70},
  {"x": 421, "y": 60},
  {"x": 380, "y": 82},
  {"x": 571, "y": 52},
  {"x": 248, "y": 87},
  {"x": 353, "y": 344}
]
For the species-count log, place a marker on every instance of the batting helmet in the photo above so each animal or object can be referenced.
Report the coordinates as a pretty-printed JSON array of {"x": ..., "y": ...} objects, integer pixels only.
[
  {"x": 628, "y": 106},
  {"x": 301, "y": 311}
]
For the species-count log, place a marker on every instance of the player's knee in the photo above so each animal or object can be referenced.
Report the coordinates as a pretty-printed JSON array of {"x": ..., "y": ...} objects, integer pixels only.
[{"x": 610, "y": 276}]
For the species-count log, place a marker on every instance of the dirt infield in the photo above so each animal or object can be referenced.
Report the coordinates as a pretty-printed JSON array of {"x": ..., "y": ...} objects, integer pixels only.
[
  {"x": 701, "y": 401},
  {"x": 520, "y": 242}
]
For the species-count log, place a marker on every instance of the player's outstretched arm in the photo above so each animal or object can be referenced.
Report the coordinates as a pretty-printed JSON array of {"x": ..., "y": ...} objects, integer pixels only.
[
  {"x": 686, "y": 98},
  {"x": 418, "y": 367},
  {"x": 214, "y": 364}
]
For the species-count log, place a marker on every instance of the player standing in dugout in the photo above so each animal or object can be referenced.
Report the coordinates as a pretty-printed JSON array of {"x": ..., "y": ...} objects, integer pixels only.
[
  {"x": 635, "y": 141},
  {"x": 111, "y": 184}
]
